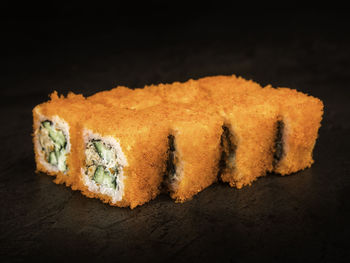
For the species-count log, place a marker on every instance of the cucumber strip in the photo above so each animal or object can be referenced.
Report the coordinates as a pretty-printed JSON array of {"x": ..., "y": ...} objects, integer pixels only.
[
  {"x": 53, "y": 158},
  {"x": 57, "y": 137},
  {"x": 53, "y": 142},
  {"x": 99, "y": 147},
  {"x": 104, "y": 177},
  {"x": 99, "y": 174},
  {"x": 102, "y": 151},
  {"x": 109, "y": 180},
  {"x": 47, "y": 124}
]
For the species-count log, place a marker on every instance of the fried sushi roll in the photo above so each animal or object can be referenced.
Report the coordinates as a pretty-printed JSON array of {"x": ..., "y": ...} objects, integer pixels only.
[
  {"x": 299, "y": 117},
  {"x": 193, "y": 153},
  {"x": 194, "y": 133},
  {"x": 297, "y": 129},
  {"x": 247, "y": 129},
  {"x": 54, "y": 125},
  {"x": 122, "y": 155},
  {"x": 247, "y": 144}
]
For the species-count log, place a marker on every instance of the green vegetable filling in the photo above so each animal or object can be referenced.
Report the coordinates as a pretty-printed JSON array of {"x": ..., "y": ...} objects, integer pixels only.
[
  {"x": 101, "y": 163},
  {"x": 104, "y": 177},
  {"x": 102, "y": 151},
  {"x": 54, "y": 144}
]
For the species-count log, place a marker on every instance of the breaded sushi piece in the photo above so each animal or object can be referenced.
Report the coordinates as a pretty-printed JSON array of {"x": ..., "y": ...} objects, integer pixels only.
[
  {"x": 297, "y": 132},
  {"x": 193, "y": 153},
  {"x": 229, "y": 122},
  {"x": 247, "y": 143},
  {"x": 194, "y": 142},
  {"x": 299, "y": 117},
  {"x": 247, "y": 129},
  {"x": 122, "y": 156},
  {"x": 248, "y": 140},
  {"x": 194, "y": 133},
  {"x": 54, "y": 126}
]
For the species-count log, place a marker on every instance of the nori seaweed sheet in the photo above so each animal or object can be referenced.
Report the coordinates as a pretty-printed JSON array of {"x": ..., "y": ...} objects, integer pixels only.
[{"x": 279, "y": 151}]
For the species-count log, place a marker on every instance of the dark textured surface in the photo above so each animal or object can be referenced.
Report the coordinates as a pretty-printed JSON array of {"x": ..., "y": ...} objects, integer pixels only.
[{"x": 301, "y": 217}]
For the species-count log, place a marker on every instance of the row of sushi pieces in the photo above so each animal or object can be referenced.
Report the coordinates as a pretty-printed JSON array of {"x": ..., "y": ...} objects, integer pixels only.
[{"x": 126, "y": 146}]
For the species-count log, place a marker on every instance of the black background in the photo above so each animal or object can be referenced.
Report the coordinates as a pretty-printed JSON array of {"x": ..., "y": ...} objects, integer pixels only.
[{"x": 85, "y": 49}]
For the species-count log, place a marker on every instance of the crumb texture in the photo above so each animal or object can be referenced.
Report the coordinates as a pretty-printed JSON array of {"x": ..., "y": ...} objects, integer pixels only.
[{"x": 194, "y": 114}]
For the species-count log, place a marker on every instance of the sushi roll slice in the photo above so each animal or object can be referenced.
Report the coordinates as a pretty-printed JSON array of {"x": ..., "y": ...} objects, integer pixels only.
[
  {"x": 194, "y": 133},
  {"x": 297, "y": 129},
  {"x": 122, "y": 156},
  {"x": 54, "y": 125},
  {"x": 247, "y": 144},
  {"x": 299, "y": 117},
  {"x": 248, "y": 139},
  {"x": 244, "y": 131},
  {"x": 193, "y": 152}
]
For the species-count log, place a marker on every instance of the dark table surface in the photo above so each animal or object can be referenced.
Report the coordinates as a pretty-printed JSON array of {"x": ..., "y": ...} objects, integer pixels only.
[{"x": 301, "y": 217}]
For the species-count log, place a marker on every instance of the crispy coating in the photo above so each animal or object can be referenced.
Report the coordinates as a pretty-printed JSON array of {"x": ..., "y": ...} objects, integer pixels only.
[
  {"x": 144, "y": 144},
  {"x": 69, "y": 109},
  {"x": 142, "y": 138},
  {"x": 194, "y": 112},
  {"x": 231, "y": 91},
  {"x": 186, "y": 94},
  {"x": 252, "y": 123},
  {"x": 240, "y": 105},
  {"x": 183, "y": 94},
  {"x": 301, "y": 115},
  {"x": 197, "y": 135},
  {"x": 253, "y": 131},
  {"x": 126, "y": 98},
  {"x": 251, "y": 112},
  {"x": 196, "y": 125}
]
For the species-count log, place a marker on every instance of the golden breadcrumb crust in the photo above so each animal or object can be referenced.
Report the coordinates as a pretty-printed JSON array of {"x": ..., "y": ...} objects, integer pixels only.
[
  {"x": 186, "y": 93},
  {"x": 144, "y": 145},
  {"x": 197, "y": 135},
  {"x": 249, "y": 110},
  {"x": 301, "y": 115},
  {"x": 143, "y": 141},
  {"x": 253, "y": 130},
  {"x": 69, "y": 110},
  {"x": 196, "y": 125},
  {"x": 252, "y": 123},
  {"x": 194, "y": 112},
  {"x": 126, "y": 98}
]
